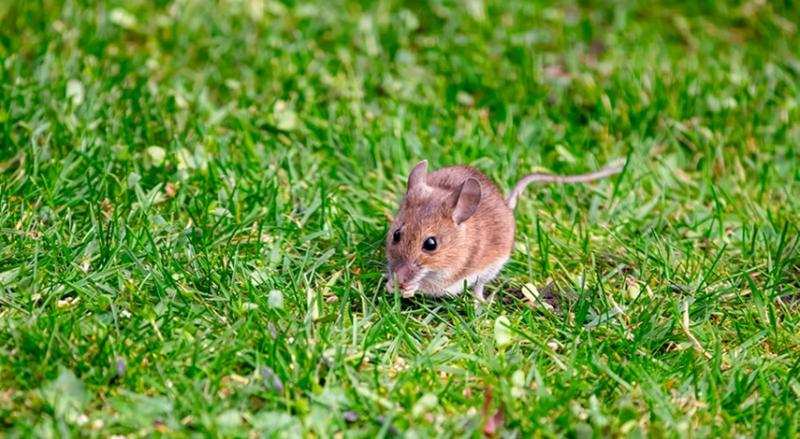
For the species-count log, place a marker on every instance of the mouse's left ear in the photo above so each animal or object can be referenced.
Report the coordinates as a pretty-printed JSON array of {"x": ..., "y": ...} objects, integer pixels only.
[
  {"x": 469, "y": 197},
  {"x": 418, "y": 178}
]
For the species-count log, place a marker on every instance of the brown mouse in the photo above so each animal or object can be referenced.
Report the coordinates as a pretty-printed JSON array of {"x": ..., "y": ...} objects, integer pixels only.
[{"x": 455, "y": 229}]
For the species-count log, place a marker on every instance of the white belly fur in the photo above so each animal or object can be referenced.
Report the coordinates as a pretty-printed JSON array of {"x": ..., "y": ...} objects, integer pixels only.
[{"x": 483, "y": 277}]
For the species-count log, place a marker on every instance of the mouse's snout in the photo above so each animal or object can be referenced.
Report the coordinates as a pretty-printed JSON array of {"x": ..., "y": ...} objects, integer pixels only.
[{"x": 404, "y": 278}]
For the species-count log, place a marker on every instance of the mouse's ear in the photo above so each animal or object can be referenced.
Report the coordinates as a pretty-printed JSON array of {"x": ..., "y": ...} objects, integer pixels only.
[
  {"x": 418, "y": 178},
  {"x": 469, "y": 197}
]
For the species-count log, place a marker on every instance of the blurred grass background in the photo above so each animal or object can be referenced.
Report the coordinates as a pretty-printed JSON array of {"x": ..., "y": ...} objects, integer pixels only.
[{"x": 193, "y": 196}]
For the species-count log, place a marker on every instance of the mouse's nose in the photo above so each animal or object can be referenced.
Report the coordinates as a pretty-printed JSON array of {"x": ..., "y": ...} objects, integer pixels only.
[{"x": 404, "y": 274}]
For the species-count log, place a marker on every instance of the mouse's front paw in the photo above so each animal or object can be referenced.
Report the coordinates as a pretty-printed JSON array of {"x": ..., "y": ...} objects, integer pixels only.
[
  {"x": 389, "y": 285},
  {"x": 407, "y": 294}
]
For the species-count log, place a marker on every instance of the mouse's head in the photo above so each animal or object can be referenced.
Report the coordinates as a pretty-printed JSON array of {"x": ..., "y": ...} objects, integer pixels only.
[{"x": 427, "y": 240}]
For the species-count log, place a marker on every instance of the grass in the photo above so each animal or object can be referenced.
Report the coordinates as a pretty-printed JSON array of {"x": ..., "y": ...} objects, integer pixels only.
[{"x": 193, "y": 197}]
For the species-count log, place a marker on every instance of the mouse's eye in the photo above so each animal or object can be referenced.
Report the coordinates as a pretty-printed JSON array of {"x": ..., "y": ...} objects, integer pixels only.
[
  {"x": 429, "y": 244},
  {"x": 396, "y": 236}
]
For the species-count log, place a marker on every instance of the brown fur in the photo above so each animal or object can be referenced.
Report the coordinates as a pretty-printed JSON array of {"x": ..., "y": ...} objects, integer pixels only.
[{"x": 465, "y": 249}]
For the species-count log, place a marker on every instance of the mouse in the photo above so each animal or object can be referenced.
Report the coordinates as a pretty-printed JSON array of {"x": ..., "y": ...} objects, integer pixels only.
[{"x": 454, "y": 229}]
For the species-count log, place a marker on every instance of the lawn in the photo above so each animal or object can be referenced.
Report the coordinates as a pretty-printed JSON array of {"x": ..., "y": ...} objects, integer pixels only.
[{"x": 194, "y": 197}]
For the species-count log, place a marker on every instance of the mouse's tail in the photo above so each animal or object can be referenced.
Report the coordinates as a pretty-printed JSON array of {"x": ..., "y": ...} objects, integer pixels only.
[{"x": 549, "y": 178}]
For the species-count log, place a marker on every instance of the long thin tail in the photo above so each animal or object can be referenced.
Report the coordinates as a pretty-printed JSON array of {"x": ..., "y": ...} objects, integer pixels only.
[{"x": 549, "y": 178}]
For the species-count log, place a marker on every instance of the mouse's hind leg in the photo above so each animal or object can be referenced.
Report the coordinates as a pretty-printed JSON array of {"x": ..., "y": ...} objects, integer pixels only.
[
  {"x": 485, "y": 277},
  {"x": 476, "y": 282},
  {"x": 477, "y": 290}
]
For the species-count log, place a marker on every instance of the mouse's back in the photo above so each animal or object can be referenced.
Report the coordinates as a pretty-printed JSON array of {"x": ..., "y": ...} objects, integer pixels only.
[{"x": 491, "y": 228}]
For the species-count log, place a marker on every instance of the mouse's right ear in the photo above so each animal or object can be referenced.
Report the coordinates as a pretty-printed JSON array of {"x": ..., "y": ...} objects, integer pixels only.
[
  {"x": 467, "y": 201},
  {"x": 418, "y": 178}
]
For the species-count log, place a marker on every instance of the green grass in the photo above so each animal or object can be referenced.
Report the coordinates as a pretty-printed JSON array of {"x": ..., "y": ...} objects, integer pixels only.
[{"x": 164, "y": 166}]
